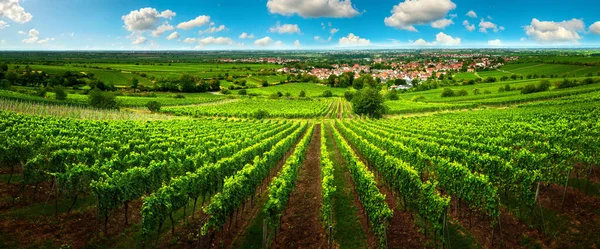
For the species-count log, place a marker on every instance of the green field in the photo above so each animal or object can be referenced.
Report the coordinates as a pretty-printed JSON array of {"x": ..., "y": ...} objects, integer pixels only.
[{"x": 311, "y": 89}]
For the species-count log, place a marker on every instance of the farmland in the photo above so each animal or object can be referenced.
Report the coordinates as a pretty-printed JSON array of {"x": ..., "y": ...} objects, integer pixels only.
[{"x": 288, "y": 160}]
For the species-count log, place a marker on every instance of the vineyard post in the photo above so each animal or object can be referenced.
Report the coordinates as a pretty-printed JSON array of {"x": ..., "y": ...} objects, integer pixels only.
[
  {"x": 589, "y": 175},
  {"x": 330, "y": 239},
  {"x": 562, "y": 204},
  {"x": 264, "y": 236}
]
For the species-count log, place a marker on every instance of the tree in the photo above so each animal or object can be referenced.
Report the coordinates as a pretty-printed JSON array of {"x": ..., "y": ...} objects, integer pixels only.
[
  {"x": 134, "y": 83},
  {"x": 302, "y": 94},
  {"x": 327, "y": 94},
  {"x": 348, "y": 95},
  {"x": 265, "y": 83},
  {"x": 153, "y": 106},
  {"x": 3, "y": 67},
  {"x": 393, "y": 95},
  {"x": 369, "y": 102},
  {"x": 4, "y": 84},
  {"x": 476, "y": 91},
  {"x": 60, "y": 93},
  {"x": 242, "y": 92},
  {"x": 102, "y": 100}
]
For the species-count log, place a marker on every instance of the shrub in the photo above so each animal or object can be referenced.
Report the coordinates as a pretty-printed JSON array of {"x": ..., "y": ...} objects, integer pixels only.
[
  {"x": 260, "y": 114},
  {"x": 327, "y": 94},
  {"x": 225, "y": 91},
  {"x": 4, "y": 84},
  {"x": 417, "y": 98},
  {"x": 60, "y": 93},
  {"x": 447, "y": 92},
  {"x": 265, "y": 83},
  {"x": 242, "y": 92},
  {"x": 476, "y": 91},
  {"x": 348, "y": 95},
  {"x": 41, "y": 92},
  {"x": 462, "y": 92},
  {"x": 392, "y": 95},
  {"x": 179, "y": 96},
  {"x": 274, "y": 96},
  {"x": 302, "y": 94},
  {"x": 103, "y": 100},
  {"x": 153, "y": 106}
]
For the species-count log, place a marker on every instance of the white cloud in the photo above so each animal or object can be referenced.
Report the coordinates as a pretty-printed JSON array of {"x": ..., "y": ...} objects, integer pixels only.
[
  {"x": 144, "y": 19},
  {"x": 317, "y": 38},
  {"x": 297, "y": 43},
  {"x": 3, "y": 42},
  {"x": 440, "y": 39},
  {"x": 472, "y": 14},
  {"x": 278, "y": 43},
  {"x": 595, "y": 28},
  {"x": 245, "y": 35},
  {"x": 485, "y": 25},
  {"x": 495, "y": 43},
  {"x": 313, "y": 8},
  {"x": 548, "y": 32},
  {"x": 333, "y": 31},
  {"x": 189, "y": 40},
  {"x": 33, "y": 37},
  {"x": 263, "y": 42},
  {"x": 44, "y": 41},
  {"x": 285, "y": 29},
  {"x": 442, "y": 23},
  {"x": 3, "y": 24},
  {"x": 173, "y": 36},
  {"x": 198, "y": 21},
  {"x": 139, "y": 40},
  {"x": 523, "y": 39},
  {"x": 468, "y": 26},
  {"x": 162, "y": 29},
  {"x": 12, "y": 10},
  {"x": 418, "y": 12},
  {"x": 215, "y": 41},
  {"x": 21, "y": 32},
  {"x": 213, "y": 29},
  {"x": 167, "y": 14},
  {"x": 353, "y": 40},
  {"x": 444, "y": 39}
]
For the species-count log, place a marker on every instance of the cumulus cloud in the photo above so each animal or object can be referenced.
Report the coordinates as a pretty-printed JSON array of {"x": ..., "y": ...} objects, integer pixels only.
[
  {"x": 442, "y": 23},
  {"x": 21, "y": 32},
  {"x": 333, "y": 31},
  {"x": 440, "y": 39},
  {"x": 167, "y": 14},
  {"x": 214, "y": 41},
  {"x": 472, "y": 14},
  {"x": 285, "y": 29},
  {"x": 297, "y": 43},
  {"x": 418, "y": 12},
  {"x": 213, "y": 29},
  {"x": 189, "y": 40},
  {"x": 33, "y": 37},
  {"x": 173, "y": 36},
  {"x": 595, "y": 28},
  {"x": 263, "y": 42},
  {"x": 139, "y": 40},
  {"x": 468, "y": 26},
  {"x": 495, "y": 43},
  {"x": 353, "y": 40},
  {"x": 144, "y": 19},
  {"x": 278, "y": 43},
  {"x": 313, "y": 8},
  {"x": 485, "y": 25},
  {"x": 548, "y": 31},
  {"x": 196, "y": 22},
  {"x": 3, "y": 24},
  {"x": 245, "y": 35},
  {"x": 12, "y": 10},
  {"x": 162, "y": 29}
]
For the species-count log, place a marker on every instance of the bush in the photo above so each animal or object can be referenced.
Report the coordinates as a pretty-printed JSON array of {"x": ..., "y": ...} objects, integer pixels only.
[
  {"x": 265, "y": 83},
  {"x": 462, "y": 92},
  {"x": 153, "y": 106},
  {"x": 60, "y": 93},
  {"x": 327, "y": 94},
  {"x": 348, "y": 95},
  {"x": 179, "y": 96},
  {"x": 487, "y": 92},
  {"x": 417, "y": 98},
  {"x": 392, "y": 95},
  {"x": 242, "y": 92},
  {"x": 476, "y": 91},
  {"x": 103, "y": 100},
  {"x": 225, "y": 91},
  {"x": 41, "y": 92},
  {"x": 447, "y": 92},
  {"x": 302, "y": 94},
  {"x": 4, "y": 84},
  {"x": 532, "y": 88},
  {"x": 260, "y": 114},
  {"x": 274, "y": 96}
]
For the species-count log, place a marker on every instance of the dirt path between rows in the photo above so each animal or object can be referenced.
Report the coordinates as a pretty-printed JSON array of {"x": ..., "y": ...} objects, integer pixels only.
[{"x": 300, "y": 223}]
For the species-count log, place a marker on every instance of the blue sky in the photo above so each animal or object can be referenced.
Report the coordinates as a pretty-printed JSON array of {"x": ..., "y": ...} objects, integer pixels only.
[{"x": 295, "y": 24}]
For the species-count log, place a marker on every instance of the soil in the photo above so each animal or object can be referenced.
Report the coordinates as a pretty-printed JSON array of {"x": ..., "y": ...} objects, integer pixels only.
[
  {"x": 300, "y": 223},
  {"x": 577, "y": 205},
  {"x": 77, "y": 229},
  {"x": 371, "y": 239},
  {"x": 340, "y": 109},
  {"x": 583, "y": 170}
]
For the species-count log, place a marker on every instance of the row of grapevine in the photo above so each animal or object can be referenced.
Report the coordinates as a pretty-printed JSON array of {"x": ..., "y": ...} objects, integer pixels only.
[
  {"x": 238, "y": 188},
  {"x": 454, "y": 178},
  {"x": 376, "y": 209},
  {"x": 327, "y": 185},
  {"x": 203, "y": 182},
  {"x": 247, "y": 108}
]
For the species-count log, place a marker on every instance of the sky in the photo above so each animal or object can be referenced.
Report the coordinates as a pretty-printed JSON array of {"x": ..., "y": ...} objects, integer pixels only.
[{"x": 296, "y": 24}]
